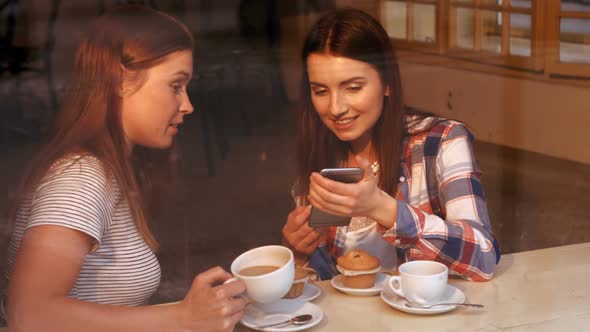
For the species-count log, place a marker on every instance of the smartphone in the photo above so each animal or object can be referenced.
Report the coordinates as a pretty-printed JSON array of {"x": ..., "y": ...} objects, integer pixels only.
[
  {"x": 320, "y": 218},
  {"x": 346, "y": 175}
]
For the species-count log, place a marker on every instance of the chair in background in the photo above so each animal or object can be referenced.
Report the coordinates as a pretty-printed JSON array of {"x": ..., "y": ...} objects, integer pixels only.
[{"x": 22, "y": 62}]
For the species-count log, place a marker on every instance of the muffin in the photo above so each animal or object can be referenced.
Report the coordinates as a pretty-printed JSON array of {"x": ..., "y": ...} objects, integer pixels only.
[
  {"x": 358, "y": 269},
  {"x": 301, "y": 277}
]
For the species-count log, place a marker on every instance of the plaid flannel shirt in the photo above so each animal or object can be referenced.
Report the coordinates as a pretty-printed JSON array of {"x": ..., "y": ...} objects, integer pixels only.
[{"x": 441, "y": 208}]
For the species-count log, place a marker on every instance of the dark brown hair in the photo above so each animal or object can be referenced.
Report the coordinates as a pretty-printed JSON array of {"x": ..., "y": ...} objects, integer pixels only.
[
  {"x": 128, "y": 39},
  {"x": 356, "y": 35}
]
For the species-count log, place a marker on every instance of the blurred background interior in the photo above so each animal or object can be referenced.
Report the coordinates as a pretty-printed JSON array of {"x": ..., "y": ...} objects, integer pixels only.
[{"x": 517, "y": 72}]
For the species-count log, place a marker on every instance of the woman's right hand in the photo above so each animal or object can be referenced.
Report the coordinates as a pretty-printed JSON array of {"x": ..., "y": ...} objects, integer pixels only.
[
  {"x": 211, "y": 305},
  {"x": 298, "y": 235}
]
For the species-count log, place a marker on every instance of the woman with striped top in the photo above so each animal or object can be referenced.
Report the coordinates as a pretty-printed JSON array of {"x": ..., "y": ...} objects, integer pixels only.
[
  {"x": 81, "y": 257},
  {"x": 421, "y": 196}
]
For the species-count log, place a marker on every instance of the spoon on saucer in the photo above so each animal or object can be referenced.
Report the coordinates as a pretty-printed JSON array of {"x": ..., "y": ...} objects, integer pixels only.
[
  {"x": 420, "y": 306},
  {"x": 297, "y": 320}
]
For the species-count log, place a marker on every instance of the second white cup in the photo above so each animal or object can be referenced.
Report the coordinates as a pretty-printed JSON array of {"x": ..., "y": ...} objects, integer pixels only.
[
  {"x": 420, "y": 282},
  {"x": 267, "y": 272}
]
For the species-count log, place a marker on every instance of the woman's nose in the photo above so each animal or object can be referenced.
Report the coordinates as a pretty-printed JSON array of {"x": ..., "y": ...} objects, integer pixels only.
[
  {"x": 338, "y": 105},
  {"x": 186, "y": 107}
]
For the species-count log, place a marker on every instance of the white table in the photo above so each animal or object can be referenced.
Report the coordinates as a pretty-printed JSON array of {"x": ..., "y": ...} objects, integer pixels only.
[{"x": 541, "y": 290}]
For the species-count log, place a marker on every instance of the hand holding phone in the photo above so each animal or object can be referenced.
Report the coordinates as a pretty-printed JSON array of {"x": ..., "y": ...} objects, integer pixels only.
[{"x": 320, "y": 218}]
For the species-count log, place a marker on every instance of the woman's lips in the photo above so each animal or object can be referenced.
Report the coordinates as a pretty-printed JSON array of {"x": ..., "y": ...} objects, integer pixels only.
[
  {"x": 345, "y": 123},
  {"x": 173, "y": 128}
]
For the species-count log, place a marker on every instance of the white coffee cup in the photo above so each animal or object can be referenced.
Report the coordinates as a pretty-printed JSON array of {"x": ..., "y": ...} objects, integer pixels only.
[
  {"x": 420, "y": 282},
  {"x": 271, "y": 286}
]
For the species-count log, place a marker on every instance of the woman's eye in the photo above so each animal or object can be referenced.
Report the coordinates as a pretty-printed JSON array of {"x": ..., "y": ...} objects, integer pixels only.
[
  {"x": 320, "y": 92},
  {"x": 177, "y": 89},
  {"x": 355, "y": 88}
]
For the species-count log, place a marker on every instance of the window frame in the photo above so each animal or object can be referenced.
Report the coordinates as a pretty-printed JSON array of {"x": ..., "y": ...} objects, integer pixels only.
[
  {"x": 534, "y": 62},
  {"x": 554, "y": 67},
  {"x": 440, "y": 36},
  {"x": 545, "y": 37}
]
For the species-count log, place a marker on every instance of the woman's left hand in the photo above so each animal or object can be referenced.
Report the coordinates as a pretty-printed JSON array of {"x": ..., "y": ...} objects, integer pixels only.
[{"x": 347, "y": 199}]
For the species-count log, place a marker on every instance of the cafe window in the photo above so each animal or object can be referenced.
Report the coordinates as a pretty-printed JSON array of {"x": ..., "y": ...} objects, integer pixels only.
[
  {"x": 550, "y": 37},
  {"x": 569, "y": 38},
  {"x": 412, "y": 23}
]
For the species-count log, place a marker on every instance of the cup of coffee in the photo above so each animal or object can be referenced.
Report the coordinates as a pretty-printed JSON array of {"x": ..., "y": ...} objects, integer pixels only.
[
  {"x": 420, "y": 282},
  {"x": 267, "y": 272}
]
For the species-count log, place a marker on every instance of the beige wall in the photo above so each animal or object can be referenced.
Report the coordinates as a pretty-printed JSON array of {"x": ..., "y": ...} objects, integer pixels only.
[{"x": 527, "y": 114}]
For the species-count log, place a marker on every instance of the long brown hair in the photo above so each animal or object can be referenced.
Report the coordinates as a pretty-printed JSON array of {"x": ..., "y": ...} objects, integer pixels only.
[
  {"x": 356, "y": 35},
  {"x": 128, "y": 39}
]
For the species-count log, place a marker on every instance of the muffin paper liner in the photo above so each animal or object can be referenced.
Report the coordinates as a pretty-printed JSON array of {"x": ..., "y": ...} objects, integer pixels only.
[{"x": 357, "y": 273}]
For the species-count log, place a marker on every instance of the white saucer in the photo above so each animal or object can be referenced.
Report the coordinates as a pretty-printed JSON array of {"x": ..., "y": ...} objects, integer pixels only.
[
  {"x": 452, "y": 294},
  {"x": 257, "y": 314},
  {"x": 380, "y": 281},
  {"x": 310, "y": 292}
]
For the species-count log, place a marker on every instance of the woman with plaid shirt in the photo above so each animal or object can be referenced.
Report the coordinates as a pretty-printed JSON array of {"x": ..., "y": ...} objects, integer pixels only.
[{"x": 420, "y": 198}]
